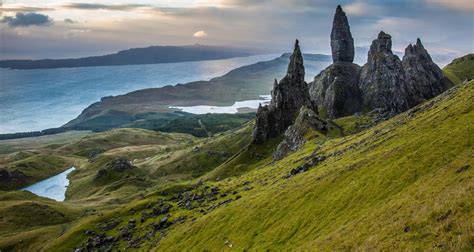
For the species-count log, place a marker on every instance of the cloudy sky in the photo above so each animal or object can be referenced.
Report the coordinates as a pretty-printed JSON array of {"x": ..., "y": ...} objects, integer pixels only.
[{"x": 58, "y": 29}]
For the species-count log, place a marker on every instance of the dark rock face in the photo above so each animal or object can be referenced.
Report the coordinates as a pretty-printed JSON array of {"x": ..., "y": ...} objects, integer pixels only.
[
  {"x": 288, "y": 97},
  {"x": 382, "y": 79},
  {"x": 120, "y": 164},
  {"x": 424, "y": 79},
  {"x": 294, "y": 137},
  {"x": 336, "y": 90},
  {"x": 342, "y": 43},
  {"x": 13, "y": 178}
]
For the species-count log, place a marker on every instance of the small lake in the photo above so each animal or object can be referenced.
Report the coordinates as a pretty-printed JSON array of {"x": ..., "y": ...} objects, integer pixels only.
[
  {"x": 233, "y": 109},
  {"x": 53, "y": 187}
]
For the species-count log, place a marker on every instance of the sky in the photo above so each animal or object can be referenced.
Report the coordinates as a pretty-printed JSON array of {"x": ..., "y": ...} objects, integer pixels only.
[{"x": 32, "y": 29}]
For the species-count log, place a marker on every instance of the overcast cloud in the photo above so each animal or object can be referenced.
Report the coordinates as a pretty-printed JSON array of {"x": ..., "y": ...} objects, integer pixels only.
[{"x": 445, "y": 27}]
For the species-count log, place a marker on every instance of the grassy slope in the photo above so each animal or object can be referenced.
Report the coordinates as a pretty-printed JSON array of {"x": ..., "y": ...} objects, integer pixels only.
[
  {"x": 34, "y": 168},
  {"x": 196, "y": 160},
  {"x": 32, "y": 219},
  {"x": 35, "y": 143},
  {"x": 460, "y": 69},
  {"x": 404, "y": 184}
]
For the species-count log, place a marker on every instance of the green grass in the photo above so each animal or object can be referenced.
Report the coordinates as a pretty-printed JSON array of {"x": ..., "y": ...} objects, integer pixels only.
[
  {"x": 203, "y": 157},
  {"x": 35, "y": 168},
  {"x": 116, "y": 138},
  {"x": 35, "y": 143},
  {"x": 28, "y": 221},
  {"x": 461, "y": 69},
  {"x": 398, "y": 186},
  {"x": 404, "y": 184}
]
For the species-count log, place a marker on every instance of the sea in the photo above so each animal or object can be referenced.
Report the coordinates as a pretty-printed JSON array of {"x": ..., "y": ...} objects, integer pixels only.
[{"x": 38, "y": 99}]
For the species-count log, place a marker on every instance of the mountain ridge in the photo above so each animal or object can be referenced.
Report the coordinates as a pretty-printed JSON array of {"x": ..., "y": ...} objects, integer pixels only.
[{"x": 135, "y": 56}]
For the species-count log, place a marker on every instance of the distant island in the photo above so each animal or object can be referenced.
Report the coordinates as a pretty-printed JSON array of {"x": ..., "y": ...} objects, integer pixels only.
[{"x": 135, "y": 56}]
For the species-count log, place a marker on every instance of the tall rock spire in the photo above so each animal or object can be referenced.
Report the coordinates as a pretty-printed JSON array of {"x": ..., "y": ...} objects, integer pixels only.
[
  {"x": 288, "y": 96},
  {"x": 342, "y": 43},
  {"x": 296, "y": 67},
  {"x": 382, "y": 79},
  {"x": 424, "y": 79},
  {"x": 335, "y": 90}
]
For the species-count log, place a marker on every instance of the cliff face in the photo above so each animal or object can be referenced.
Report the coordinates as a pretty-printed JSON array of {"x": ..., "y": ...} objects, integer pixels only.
[
  {"x": 288, "y": 96},
  {"x": 382, "y": 79},
  {"x": 424, "y": 79}
]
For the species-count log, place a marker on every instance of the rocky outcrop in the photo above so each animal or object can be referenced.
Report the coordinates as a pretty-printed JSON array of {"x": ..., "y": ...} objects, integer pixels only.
[
  {"x": 11, "y": 179},
  {"x": 116, "y": 165},
  {"x": 382, "y": 79},
  {"x": 335, "y": 90},
  {"x": 385, "y": 85},
  {"x": 393, "y": 85},
  {"x": 294, "y": 137},
  {"x": 342, "y": 43},
  {"x": 288, "y": 96},
  {"x": 423, "y": 78}
]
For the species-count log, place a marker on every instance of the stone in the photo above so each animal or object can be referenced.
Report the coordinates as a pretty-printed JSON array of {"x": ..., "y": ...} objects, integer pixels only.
[
  {"x": 342, "y": 43},
  {"x": 288, "y": 96},
  {"x": 294, "y": 137},
  {"x": 120, "y": 164},
  {"x": 336, "y": 90},
  {"x": 14, "y": 177},
  {"x": 424, "y": 79},
  {"x": 382, "y": 80}
]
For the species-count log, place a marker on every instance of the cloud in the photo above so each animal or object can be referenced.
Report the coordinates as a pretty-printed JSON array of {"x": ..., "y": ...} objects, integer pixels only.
[
  {"x": 459, "y": 5},
  {"x": 200, "y": 34},
  {"x": 112, "y": 7},
  {"x": 25, "y": 9},
  {"x": 361, "y": 9},
  {"x": 27, "y": 19},
  {"x": 69, "y": 21}
]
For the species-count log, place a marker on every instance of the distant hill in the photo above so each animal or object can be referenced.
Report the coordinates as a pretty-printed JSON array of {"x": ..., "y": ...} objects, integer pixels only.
[
  {"x": 244, "y": 83},
  {"x": 460, "y": 69},
  {"x": 136, "y": 56}
]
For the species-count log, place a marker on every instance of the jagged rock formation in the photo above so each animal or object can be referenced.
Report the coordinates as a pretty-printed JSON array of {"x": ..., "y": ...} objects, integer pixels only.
[
  {"x": 342, "y": 43},
  {"x": 385, "y": 82},
  {"x": 294, "y": 137},
  {"x": 335, "y": 90},
  {"x": 424, "y": 79},
  {"x": 288, "y": 97},
  {"x": 382, "y": 79},
  {"x": 385, "y": 85}
]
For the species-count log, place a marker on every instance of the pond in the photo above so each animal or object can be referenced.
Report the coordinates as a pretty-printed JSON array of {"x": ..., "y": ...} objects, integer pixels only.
[{"x": 53, "y": 187}]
